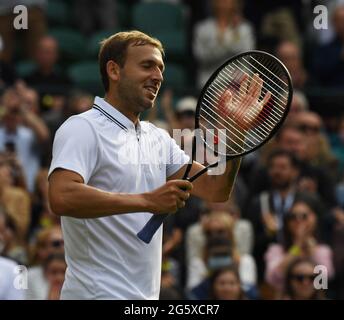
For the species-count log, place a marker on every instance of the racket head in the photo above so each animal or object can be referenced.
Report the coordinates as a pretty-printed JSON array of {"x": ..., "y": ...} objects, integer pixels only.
[{"x": 227, "y": 78}]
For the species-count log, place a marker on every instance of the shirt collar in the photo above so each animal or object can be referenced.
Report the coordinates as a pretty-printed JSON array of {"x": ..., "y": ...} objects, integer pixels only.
[{"x": 116, "y": 116}]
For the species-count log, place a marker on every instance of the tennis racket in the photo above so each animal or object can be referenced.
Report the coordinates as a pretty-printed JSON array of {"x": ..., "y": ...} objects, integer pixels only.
[{"x": 240, "y": 108}]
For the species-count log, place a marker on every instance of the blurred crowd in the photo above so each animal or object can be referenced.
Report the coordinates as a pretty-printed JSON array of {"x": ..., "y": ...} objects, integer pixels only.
[{"x": 285, "y": 216}]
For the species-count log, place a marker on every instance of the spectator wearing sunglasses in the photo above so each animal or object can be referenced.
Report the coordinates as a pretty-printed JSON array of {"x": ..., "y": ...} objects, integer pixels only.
[
  {"x": 299, "y": 240},
  {"x": 48, "y": 241},
  {"x": 299, "y": 281},
  {"x": 319, "y": 152}
]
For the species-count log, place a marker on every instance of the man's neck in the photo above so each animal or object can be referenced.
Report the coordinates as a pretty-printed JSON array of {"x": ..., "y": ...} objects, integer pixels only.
[
  {"x": 115, "y": 103},
  {"x": 46, "y": 71}
]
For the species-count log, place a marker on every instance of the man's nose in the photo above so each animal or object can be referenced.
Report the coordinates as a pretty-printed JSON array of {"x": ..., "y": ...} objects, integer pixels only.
[{"x": 157, "y": 75}]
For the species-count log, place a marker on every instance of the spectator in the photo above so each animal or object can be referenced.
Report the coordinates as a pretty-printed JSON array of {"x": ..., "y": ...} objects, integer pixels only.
[
  {"x": 300, "y": 239},
  {"x": 42, "y": 216},
  {"x": 29, "y": 97},
  {"x": 299, "y": 281},
  {"x": 22, "y": 133},
  {"x": 46, "y": 78},
  {"x": 279, "y": 21},
  {"x": 170, "y": 274},
  {"x": 15, "y": 200},
  {"x": 218, "y": 38},
  {"x": 185, "y": 112},
  {"x": 243, "y": 232},
  {"x": 290, "y": 54},
  {"x": 220, "y": 251},
  {"x": 312, "y": 178},
  {"x": 225, "y": 285},
  {"x": 7, "y": 266},
  {"x": 10, "y": 246},
  {"x": 318, "y": 149},
  {"x": 267, "y": 210},
  {"x": 54, "y": 268},
  {"x": 298, "y": 104},
  {"x": 48, "y": 241}
]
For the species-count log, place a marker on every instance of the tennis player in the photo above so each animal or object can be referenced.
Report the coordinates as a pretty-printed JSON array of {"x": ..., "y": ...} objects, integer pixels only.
[{"x": 104, "y": 188}]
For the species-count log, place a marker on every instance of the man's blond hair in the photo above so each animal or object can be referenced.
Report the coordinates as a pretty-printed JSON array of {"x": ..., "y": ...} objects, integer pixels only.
[{"x": 115, "y": 48}]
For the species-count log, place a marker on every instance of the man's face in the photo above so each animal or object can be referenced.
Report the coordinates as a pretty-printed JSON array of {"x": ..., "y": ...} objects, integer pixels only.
[
  {"x": 224, "y": 5},
  {"x": 281, "y": 172},
  {"x": 12, "y": 114},
  {"x": 186, "y": 120},
  {"x": 290, "y": 55},
  {"x": 140, "y": 78},
  {"x": 47, "y": 53},
  {"x": 293, "y": 141}
]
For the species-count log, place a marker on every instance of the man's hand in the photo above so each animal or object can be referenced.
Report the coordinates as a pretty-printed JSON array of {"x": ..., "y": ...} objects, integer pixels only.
[
  {"x": 244, "y": 106},
  {"x": 168, "y": 198},
  {"x": 270, "y": 222}
]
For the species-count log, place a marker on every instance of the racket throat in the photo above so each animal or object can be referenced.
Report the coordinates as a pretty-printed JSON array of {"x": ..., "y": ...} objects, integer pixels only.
[{"x": 204, "y": 170}]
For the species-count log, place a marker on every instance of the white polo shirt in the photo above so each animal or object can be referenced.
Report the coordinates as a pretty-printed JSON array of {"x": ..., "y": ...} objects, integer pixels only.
[{"x": 105, "y": 258}]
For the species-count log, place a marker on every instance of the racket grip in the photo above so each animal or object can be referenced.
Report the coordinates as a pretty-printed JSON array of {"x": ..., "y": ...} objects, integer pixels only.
[{"x": 148, "y": 231}]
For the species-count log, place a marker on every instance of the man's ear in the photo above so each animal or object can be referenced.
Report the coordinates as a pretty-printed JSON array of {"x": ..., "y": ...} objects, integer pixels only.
[{"x": 112, "y": 69}]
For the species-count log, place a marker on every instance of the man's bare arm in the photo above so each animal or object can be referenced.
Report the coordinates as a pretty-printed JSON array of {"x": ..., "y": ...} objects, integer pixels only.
[{"x": 70, "y": 196}]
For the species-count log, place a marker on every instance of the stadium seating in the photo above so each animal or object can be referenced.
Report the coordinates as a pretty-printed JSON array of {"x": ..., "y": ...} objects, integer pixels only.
[
  {"x": 72, "y": 43},
  {"x": 158, "y": 16},
  {"x": 24, "y": 68},
  {"x": 85, "y": 75},
  {"x": 58, "y": 13}
]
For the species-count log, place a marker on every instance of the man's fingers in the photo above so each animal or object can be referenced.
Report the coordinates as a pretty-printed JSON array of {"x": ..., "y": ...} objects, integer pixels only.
[
  {"x": 256, "y": 86},
  {"x": 253, "y": 84},
  {"x": 265, "y": 99},
  {"x": 183, "y": 184},
  {"x": 259, "y": 88},
  {"x": 183, "y": 195},
  {"x": 180, "y": 204},
  {"x": 244, "y": 85}
]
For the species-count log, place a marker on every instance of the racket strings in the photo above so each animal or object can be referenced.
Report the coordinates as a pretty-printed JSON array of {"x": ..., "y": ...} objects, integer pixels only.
[
  {"x": 225, "y": 123},
  {"x": 265, "y": 90},
  {"x": 232, "y": 126},
  {"x": 264, "y": 113},
  {"x": 269, "y": 83},
  {"x": 236, "y": 100},
  {"x": 214, "y": 116}
]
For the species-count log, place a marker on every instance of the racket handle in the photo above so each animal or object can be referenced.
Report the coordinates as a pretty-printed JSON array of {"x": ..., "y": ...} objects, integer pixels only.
[{"x": 148, "y": 231}]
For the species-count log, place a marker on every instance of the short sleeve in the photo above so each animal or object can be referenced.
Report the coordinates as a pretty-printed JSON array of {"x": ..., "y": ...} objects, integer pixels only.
[
  {"x": 177, "y": 158},
  {"x": 75, "y": 148}
]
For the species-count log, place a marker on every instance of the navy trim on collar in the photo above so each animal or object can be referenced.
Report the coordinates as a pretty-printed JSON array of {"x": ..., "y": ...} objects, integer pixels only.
[{"x": 110, "y": 117}]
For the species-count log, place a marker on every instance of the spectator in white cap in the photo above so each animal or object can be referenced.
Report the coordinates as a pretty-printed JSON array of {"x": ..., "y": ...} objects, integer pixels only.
[{"x": 185, "y": 112}]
